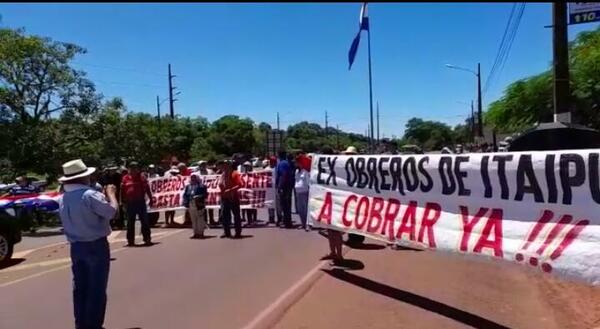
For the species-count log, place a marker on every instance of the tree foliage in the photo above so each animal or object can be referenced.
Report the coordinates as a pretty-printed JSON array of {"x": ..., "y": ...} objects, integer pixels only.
[
  {"x": 36, "y": 79},
  {"x": 529, "y": 100},
  {"x": 431, "y": 135}
]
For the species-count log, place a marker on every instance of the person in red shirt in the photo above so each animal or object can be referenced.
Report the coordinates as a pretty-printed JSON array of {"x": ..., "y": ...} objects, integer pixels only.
[
  {"x": 134, "y": 189},
  {"x": 229, "y": 184}
]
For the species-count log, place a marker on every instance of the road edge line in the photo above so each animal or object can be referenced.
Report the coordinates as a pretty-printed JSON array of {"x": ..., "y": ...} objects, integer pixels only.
[
  {"x": 35, "y": 275},
  {"x": 271, "y": 315}
]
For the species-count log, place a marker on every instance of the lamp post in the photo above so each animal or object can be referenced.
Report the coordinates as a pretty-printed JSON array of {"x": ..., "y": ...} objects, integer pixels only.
[{"x": 479, "y": 105}]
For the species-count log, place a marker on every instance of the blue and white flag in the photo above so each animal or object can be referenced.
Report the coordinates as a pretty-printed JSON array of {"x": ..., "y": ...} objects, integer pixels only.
[{"x": 363, "y": 24}]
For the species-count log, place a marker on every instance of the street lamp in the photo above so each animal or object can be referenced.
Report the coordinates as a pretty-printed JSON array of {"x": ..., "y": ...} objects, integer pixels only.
[{"x": 479, "y": 105}]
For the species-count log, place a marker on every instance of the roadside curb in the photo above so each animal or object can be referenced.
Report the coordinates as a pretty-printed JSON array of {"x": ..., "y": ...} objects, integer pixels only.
[{"x": 271, "y": 315}]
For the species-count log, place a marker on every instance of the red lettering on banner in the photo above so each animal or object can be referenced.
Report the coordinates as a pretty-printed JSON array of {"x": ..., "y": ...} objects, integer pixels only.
[
  {"x": 493, "y": 226},
  {"x": 391, "y": 211},
  {"x": 363, "y": 203},
  {"x": 345, "y": 221},
  {"x": 428, "y": 221},
  {"x": 494, "y": 223},
  {"x": 408, "y": 222},
  {"x": 468, "y": 225},
  {"x": 326, "y": 209},
  {"x": 375, "y": 215}
]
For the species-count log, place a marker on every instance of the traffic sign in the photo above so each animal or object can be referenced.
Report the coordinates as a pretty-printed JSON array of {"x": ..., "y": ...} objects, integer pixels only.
[{"x": 584, "y": 12}]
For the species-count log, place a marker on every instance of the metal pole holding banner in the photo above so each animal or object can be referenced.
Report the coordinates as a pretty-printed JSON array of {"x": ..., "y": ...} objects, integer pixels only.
[{"x": 560, "y": 47}]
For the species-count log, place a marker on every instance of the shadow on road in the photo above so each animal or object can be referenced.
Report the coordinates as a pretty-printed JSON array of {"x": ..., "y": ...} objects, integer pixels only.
[
  {"x": 350, "y": 265},
  {"x": 42, "y": 234},
  {"x": 143, "y": 245},
  {"x": 241, "y": 237},
  {"x": 425, "y": 303},
  {"x": 12, "y": 262},
  {"x": 206, "y": 237},
  {"x": 403, "y": 248},
  {"x": 365, "y": 246}
]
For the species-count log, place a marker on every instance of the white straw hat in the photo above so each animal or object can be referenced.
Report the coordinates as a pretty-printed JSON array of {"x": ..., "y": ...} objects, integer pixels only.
[
  {"x": 350, "y": 150},
  {"x": 75, "y": 169}
]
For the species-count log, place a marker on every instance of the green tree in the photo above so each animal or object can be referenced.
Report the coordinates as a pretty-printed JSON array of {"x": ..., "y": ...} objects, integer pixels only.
[
  {"x": 430, "y": 135},
  {"x": 36, "y": 82},
  {"x": 36, "y": 78},
  {"x": 231, "y": 134},
  {"x": 529, "y": 100}
]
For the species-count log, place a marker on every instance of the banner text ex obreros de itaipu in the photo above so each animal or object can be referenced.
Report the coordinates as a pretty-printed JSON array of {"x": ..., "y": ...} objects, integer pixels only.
[{"x": 540, "y": 209}]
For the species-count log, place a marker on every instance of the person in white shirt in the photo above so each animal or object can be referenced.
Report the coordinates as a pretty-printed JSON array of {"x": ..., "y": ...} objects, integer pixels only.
[
  {"x": 170, "y": 215},
  {"x": 302, "y": 187}
]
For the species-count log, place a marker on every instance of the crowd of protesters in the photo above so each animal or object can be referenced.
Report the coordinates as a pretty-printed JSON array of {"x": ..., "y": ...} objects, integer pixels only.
[
  {"x": 93, "y": 201},
  {"x": 290, "y": 178}
]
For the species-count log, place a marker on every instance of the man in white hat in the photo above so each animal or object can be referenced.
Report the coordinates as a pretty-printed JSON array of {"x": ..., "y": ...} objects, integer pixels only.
[
  {"x": 351, "y": 150},
  {"x": 85, "y": 214}
]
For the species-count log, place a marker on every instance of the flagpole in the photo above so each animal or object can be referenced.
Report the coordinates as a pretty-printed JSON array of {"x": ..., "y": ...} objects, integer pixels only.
[{"x": 370, "y": 87}]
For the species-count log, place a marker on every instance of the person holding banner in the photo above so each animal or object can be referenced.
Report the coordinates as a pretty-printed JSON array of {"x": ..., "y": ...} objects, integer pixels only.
[
  {"x": 335, "y": 237},
  {"x": 229, "y": 185},
  {"x": 203, "y": 169},
  {"x": 194, "y": 198},
  {"x": 170, "y": 215},
  {"x": 301, "y": 188},
  {"x": 135, "y": 188},
  {"x": 285, "y": 187},
  {"x": 276, "y": 209}
]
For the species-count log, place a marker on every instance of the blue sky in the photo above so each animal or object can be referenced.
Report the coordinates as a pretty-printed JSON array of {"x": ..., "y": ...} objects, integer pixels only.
[{"x": 256, "y": 59}]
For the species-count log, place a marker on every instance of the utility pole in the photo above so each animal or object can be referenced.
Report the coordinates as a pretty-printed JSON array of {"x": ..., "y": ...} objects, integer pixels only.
[
  {"x": 472, "y": 122},
  {"x": 378, "y": 140},
  {"x": 560, "y": 47},
  {"x": 479, "y": 104},
  {"x": 370, "y": 92},
  {"x": 171, "y": 100},
  {"x": 277, "y": 120},
  {"x": 337, "y": 136},
  {"x": 326, "y": 124},
  {"x": 158, "y": 108}
]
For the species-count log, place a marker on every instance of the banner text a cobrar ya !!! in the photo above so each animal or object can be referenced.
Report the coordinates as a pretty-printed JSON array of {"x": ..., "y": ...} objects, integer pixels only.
[{"x": 536, "y": 208}]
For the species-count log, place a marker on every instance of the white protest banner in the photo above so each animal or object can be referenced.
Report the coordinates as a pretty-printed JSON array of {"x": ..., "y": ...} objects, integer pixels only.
[
  {"x": 257, "y": 191},
  {"x": 541, "y": 209}
]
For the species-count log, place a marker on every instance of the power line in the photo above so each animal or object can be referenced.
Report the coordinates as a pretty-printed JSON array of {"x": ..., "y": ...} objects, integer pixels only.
[
  {"x": 501, "y": 46},
  {"x": 118, "y": 68},
  {"x": 510, "y": 32},
  {"x": 126, "y": 84},
  {"x": 514, "y": 34}
]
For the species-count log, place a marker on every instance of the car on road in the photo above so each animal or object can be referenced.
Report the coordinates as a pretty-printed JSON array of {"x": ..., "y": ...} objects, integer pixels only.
[{"x": 10, "y": 234}]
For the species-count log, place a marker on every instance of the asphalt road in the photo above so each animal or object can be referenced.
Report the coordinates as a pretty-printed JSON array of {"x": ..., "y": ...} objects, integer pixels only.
[
  {"x": 274, "y": 277},
  {"x": 177, "y": 283}
]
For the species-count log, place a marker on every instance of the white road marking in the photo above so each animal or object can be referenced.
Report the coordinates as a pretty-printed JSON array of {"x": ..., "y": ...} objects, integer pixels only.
[
  {"x": 256, "y": 322},
  {"x": 112, "y": 238},
  {"x": 67, "y": 262},
  {"x": 24, "y": 253}
]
